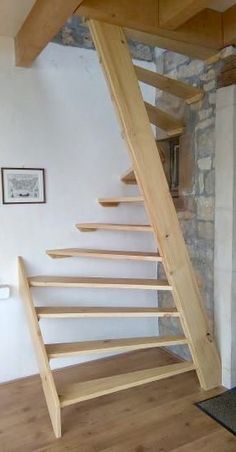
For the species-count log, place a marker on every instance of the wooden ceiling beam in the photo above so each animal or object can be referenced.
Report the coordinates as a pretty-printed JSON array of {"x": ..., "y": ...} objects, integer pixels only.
[
  {"x": 173, "y": 14},
  {"x": 229, "y": 28},
  {"x": 191, "y": 50},
  {"x": 41, "y": 25},
  {"x": 201, "y": 37}
]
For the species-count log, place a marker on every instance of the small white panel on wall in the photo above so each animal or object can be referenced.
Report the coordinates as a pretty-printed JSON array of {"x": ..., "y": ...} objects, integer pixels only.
[{"x": 4, "y": 292}]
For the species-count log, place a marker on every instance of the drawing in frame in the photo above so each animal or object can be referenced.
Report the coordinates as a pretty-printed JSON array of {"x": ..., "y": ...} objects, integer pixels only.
[{"x": 23, "y": 185}]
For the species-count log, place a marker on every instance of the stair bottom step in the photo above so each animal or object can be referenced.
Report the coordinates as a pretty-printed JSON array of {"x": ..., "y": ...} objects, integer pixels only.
[
  {"x": 62, "y": 350},
  {"x": 80, "y": 392}
]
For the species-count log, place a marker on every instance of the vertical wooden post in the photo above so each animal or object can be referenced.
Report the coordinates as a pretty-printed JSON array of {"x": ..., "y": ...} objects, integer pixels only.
[
  {"x": 113, "y": 50},
  {"x": 49, "y": 387}
]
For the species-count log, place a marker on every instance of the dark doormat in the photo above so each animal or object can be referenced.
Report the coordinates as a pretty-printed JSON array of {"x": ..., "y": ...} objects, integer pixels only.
[{"x": 222, "y": 408}]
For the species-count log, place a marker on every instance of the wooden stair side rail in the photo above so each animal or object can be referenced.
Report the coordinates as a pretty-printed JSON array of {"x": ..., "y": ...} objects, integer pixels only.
[
  {"x": 48, "y": 384},
  {"x": 112, "y": 47}
]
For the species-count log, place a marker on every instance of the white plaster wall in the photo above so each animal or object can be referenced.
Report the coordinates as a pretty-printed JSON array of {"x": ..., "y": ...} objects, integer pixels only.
[
  {"x": 225, "y": 232},
  {"x": 58, "y": 116}
]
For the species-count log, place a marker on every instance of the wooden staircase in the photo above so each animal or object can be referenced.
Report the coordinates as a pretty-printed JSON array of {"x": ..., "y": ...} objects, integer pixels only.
[{"x": 180, "y": 280}]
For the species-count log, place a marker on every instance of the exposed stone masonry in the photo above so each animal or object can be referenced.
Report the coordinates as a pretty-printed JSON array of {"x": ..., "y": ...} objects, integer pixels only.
[
  {"x": 198, "y": 225},
  {"x": 76, "y": 33}
]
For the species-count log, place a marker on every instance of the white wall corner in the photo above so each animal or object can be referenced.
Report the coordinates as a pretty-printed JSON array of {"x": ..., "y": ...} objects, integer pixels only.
[{"x": 225, "y": 232}]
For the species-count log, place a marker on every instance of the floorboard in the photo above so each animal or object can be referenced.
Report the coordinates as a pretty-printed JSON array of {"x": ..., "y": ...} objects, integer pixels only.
[{"x": 158, "y": 417}]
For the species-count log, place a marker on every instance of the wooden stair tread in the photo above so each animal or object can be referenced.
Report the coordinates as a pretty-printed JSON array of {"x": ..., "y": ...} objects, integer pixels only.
[
  {"x": 86, "y": 227},
  {"x": 115, "y": 201},
  {"x": 60, "y": 350},
  {"x": 98, "y": 282},
  {"x": 164, "y": 120},
  {"x": 129, "y": 177},
  {"x": 95, "y": 388},
  {"x": 70, "y": 312},
  {"x": 177, "y": 88},
  {"x": 105, "y": 254}
]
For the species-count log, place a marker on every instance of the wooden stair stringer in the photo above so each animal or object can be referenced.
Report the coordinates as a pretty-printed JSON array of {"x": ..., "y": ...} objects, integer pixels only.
[
  {"x": 48, "y": 383},
  {"x": 110, "y": 42}
]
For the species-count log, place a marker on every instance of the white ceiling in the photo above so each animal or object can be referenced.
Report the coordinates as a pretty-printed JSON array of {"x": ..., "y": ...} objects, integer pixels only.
[{"x": 13, "y": 14}]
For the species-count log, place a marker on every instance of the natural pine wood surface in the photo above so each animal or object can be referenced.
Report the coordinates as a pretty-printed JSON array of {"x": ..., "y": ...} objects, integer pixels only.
[
  {"x": 105, "y": 254},
  {"x": 87, "y": 390},
  {"x": 102, "y": 283},
  {"x": 115, "y": 201},
  {"x": 111, "y": 46},
  {"x": 60, "y": 350},
  {"x": 76, "y": 312},
  {"x": 177, "y": 88},
  {"x": 164, "y": 120},
  {"x": 157, "y": 417},
  {"x": 86, "y": 227}
]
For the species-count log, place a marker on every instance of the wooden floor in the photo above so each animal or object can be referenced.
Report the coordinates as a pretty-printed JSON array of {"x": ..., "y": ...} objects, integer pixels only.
[{"x": 158, "y": 417}]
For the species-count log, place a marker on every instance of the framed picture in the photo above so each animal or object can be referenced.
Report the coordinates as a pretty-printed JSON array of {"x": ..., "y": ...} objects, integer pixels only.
[{"x": 23, "y": 185}]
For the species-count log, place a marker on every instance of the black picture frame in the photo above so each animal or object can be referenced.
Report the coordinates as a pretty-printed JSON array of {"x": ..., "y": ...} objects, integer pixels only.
[{"x": 22, "y": 197}]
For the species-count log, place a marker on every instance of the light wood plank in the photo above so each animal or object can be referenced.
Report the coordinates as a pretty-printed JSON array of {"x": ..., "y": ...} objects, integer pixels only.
[
  {"x": 84, "y": 312},
  {"x": 122, "y": 81},
  {"x": 102, "y": 283},
  {"x": 96, "y": 388},
  {"x": 164, "y": 120},
  {"x": 114, "y": 202},
  {"x": 177, "y": 88},
  {"x": 201, "y": 37},
  {"x": 87, "y": 227},
  {"x": 173, "y": 14},
  {"x": 229, "y": 20},
  {"x": 168, "y": 404},
  {"x": 183, "y": 47},
  {"x": 63, "y": 350},
  {"x": 128, "y": 177},
  {"x": 42, "y": 24},
  {"x": 48, "y": 384},
  {"x": 105, "y": 254}
]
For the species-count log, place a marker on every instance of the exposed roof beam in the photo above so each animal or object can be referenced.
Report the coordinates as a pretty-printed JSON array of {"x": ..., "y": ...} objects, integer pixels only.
[
  {"x": 229, "y": 21},
  {"x": 173, "y": 14},
  {"x": 201, "y": 37},
  {"x": 140, "y": 16},
  {"x": 192, "y": 50},
  {"x": 41, "y": 25}
]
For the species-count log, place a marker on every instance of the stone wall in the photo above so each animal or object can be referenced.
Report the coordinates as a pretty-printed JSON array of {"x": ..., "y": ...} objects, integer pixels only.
[
  {"x": 76, "y": 33},
  {"x": 198, "y": 144}
]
